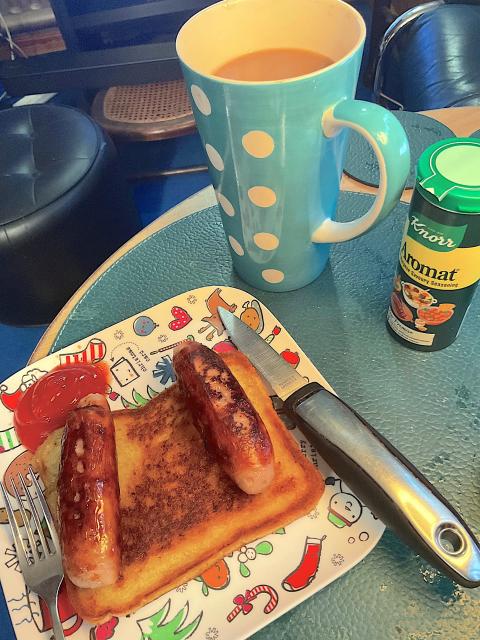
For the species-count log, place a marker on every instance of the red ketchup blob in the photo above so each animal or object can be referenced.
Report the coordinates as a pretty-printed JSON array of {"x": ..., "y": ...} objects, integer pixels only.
[{"x": 46, "y": 404}]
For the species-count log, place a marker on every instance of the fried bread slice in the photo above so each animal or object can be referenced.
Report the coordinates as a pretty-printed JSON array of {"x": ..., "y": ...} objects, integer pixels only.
[{"x": 179, "y": 511}]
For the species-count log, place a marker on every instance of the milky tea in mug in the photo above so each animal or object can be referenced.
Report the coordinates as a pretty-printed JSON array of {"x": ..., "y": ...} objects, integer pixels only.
[
  {"x": 272, "y": 64},
  {"x": 272, "y": 85}
]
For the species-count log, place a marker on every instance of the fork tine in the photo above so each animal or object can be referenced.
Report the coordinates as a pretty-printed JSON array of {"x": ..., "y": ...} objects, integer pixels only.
[
  {"x": 19, "y": 544},
  {"x": 46, "y": 511},
  {"x": 34, "y": 511},
  {"x": 26, "y": 523}
]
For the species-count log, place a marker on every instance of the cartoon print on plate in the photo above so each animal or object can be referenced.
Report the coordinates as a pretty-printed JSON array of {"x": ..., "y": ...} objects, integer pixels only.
[
  {"x": 249, "y": 553},
  {"x": 183, "y": 587},
  {"x": 271, "y": 336},
  {"x": 71, "y": 621},
  {"x": 337, "y": 559},
  {"x": 124, "y": 372},
  {"x": 11, "y": 561},
  {"x": 212, "y": 634},
  {"x": 182, "y": 318},
  {"x": 132, "y": 365},
  {"x": 30, "y": 611},
  {"x": 10, "y": 399},
  {"x": 164, "y": 370},
  {"x": 94, "y": 352},
  {"x": 104, "y": 631},
  {"x": 140, "y": 367},
  {"x": 344, "y": 509},
  {"x": 156, "y": 627},
  {"x": 213, "y": 302},
  {"x": 18, "y": 465},
  {"x": 216, "y": 577},
  {"x": 307, "y": 568},
  {"x": 169, "y": 347},
  {"x": 8, "y": 440},
  {"x": 21, "y": 611},
  {"x": 291, "y": 357},
  {"x": 252, "y": 315},
  {"x": 243, "y": 602},
  {"x": 138, "y": 399},
  {"x": 143, "y": 326}
]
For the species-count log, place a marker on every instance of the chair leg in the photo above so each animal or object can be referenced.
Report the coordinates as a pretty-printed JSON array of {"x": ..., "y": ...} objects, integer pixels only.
[
  {"x": 380, "y": 21},
  {"x": 162, "y": 173}
]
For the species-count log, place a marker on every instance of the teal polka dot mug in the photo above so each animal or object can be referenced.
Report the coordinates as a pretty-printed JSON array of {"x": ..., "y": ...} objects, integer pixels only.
[{"x": 276, "y": 147}]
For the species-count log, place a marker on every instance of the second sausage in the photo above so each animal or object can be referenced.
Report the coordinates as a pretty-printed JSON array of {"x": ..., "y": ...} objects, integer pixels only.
[{"x": 229, "y": 424}]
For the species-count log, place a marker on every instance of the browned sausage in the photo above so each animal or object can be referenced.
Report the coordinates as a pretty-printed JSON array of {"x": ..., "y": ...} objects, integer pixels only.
[
  {"x": 228, "y": 423},
  {"x": 89, "y": 496}
]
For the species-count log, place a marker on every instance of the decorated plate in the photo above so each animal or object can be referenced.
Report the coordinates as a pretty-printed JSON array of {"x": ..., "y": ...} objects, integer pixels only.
[{"x": 261, "y": 580}]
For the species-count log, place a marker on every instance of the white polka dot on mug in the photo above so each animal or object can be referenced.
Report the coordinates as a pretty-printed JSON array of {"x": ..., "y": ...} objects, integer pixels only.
[
  {"x": 201, "y": 100},
  {"x": 266, "y": 241},
  {"x": 262, "y": 196},
  {"x": 236, "y": 246},
  {"x": 273, "y": 276},
  {"x": 258, "y": 144},
  {"x": 214, "y": 157},
  {"x": 225, "y": 204}
]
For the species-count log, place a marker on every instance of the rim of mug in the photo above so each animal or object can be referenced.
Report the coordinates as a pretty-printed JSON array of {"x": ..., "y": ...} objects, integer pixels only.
[{"x": 220, "y": 80}]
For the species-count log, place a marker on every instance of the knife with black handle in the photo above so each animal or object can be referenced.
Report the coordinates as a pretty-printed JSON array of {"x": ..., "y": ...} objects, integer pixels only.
[{"x": 374, "y": 469}]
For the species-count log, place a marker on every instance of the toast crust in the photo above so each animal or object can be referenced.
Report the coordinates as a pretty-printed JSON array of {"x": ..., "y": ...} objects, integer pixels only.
[{"x": 180, "y": 512}]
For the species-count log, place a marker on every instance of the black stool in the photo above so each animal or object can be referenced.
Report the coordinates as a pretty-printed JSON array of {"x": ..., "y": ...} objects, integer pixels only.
[{"x": 64, "y": 208}]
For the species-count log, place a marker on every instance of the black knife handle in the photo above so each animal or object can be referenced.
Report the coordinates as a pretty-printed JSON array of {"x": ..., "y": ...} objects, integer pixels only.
[{"x": 386, "y": 482}]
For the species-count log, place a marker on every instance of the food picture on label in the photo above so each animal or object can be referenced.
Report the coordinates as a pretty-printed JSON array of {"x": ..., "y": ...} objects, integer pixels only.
[
  {"x": 417, "y": 297},
  {"x": 422, "y": 301},
  {"x": 435, "y": 315},
  {"x": 400, "y": 309},
  {"x": 420, "y": 325}
]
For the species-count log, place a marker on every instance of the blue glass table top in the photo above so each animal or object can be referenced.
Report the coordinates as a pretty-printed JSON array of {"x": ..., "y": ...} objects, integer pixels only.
[{"x": 426, "y": 404}]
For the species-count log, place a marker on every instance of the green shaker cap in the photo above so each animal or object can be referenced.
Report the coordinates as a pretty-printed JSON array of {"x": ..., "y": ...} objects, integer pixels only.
[{"x": 448, "y": 173}]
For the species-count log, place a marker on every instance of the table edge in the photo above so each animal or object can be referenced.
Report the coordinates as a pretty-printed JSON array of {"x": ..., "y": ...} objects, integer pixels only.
[{"x": 200, "y": 200}]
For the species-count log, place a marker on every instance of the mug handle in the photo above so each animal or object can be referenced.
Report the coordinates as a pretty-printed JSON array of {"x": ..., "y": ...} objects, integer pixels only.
[{"x": 388, "y": 139}]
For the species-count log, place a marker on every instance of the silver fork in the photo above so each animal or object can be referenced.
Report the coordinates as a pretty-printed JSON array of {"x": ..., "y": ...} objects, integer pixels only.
[{"x": 40, "y": 561}]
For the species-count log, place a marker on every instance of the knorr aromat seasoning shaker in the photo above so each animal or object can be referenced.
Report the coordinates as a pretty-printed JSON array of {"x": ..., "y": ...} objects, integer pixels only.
[{"x": 439, "y": 261}]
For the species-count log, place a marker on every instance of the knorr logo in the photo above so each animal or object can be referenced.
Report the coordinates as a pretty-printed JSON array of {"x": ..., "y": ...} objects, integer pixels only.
[
  {"x": 431, "y": 234},
  {"x": 434, "y": 235}
]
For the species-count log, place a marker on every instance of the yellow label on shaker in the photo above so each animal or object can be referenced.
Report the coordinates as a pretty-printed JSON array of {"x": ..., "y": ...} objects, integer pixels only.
[{"x": 455, "y": 269}]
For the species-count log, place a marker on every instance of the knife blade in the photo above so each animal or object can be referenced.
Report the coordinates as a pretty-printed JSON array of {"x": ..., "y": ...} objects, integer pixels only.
[{"x": 389, "y": 484}]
